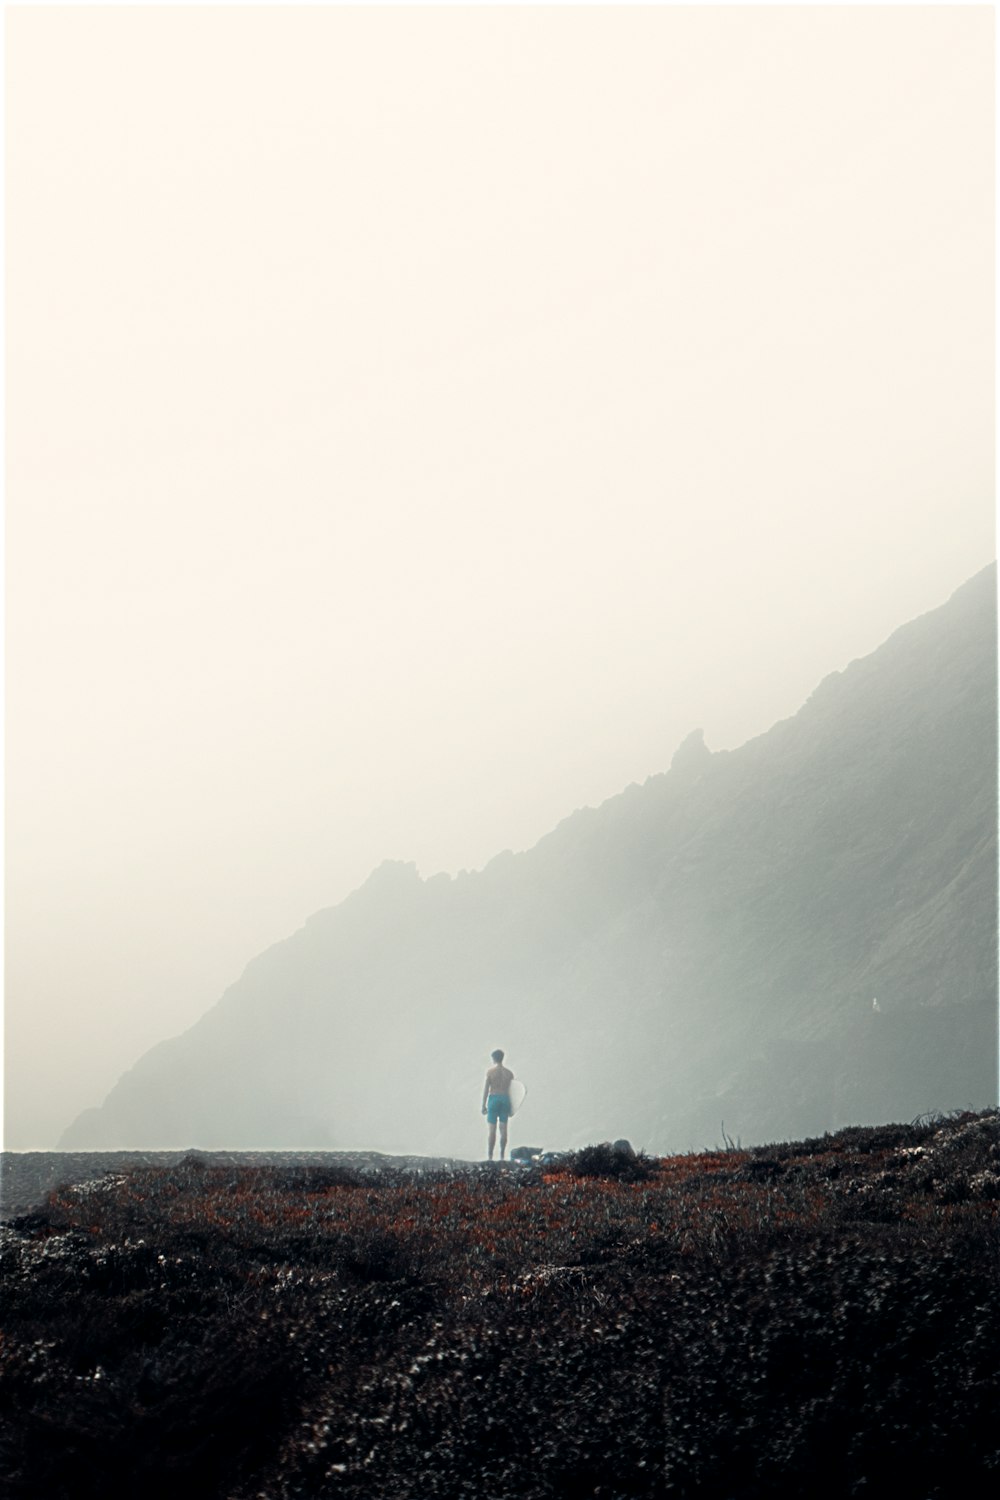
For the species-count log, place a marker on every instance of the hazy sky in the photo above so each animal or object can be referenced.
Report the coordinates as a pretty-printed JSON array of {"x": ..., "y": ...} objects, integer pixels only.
[{"x": 419, "y": 420}]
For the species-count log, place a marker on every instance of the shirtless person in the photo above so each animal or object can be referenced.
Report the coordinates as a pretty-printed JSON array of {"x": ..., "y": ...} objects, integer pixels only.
[{"x": 496, "y": 1101}]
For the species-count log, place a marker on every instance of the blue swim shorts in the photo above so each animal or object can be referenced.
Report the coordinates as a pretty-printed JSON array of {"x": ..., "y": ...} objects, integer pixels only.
[{"x": 498, "y": 1108}]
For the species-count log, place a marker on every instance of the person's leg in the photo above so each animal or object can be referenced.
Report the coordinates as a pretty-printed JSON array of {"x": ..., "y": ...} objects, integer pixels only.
[
  {"x": 503, "y": 1139},
  {"x": 493, "y": 1137}
]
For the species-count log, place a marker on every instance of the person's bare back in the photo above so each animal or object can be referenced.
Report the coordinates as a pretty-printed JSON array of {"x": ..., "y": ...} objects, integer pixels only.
[{"x": 498, "y": 1080}]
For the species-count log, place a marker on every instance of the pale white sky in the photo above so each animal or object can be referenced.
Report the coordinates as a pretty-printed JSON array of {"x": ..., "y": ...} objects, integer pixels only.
[{"x": 419, "y": 420}]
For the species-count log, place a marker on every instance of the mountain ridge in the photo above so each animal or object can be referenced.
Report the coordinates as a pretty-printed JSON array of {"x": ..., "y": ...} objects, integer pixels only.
[{"x": 734, "y": 913}]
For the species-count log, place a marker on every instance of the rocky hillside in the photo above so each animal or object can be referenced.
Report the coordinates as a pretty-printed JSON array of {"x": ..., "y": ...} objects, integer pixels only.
[
  {"x": 704, "y": 948},
  {"x": 819, "y": 1319}
]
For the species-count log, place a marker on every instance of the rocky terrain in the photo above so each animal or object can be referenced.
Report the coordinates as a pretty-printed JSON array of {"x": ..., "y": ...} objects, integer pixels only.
[
  {"x": 814, "y": 1319},
  {"x": 26, "y": 1176}
]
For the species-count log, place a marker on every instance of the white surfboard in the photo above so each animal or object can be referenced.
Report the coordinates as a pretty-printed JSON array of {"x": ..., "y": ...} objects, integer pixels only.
[{"x": 516, "y": 1094}]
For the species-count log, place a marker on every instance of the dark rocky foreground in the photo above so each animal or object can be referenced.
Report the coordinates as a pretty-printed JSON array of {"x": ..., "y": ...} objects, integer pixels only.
[
  {"x": 812, "y": 1320},
  {"x": 26, "y": 1176}
]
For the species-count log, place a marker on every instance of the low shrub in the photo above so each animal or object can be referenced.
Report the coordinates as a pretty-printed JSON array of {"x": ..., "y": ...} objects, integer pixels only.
[{"x": 617, "y": 1162}]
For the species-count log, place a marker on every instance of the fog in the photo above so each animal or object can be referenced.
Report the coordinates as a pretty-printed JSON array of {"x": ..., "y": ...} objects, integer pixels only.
[{"x": 419, "y": 420}]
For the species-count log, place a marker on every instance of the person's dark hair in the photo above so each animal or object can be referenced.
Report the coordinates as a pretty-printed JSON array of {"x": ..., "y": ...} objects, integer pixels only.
[{"x": 497, "y": 1056}]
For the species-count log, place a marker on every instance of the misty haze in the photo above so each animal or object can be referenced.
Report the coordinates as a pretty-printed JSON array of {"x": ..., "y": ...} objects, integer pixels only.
[
  {"x": 501, "y": 614},
  {"x": 788, "y": 938},
  {"x": 401, "y": 457}
]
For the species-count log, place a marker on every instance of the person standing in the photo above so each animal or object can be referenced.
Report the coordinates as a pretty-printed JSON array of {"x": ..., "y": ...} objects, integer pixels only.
[{"x": 496, "y": 1101}]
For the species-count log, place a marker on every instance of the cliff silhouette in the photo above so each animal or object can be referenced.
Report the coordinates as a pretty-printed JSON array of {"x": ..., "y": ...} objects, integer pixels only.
[{"x": 704, "y": 948}]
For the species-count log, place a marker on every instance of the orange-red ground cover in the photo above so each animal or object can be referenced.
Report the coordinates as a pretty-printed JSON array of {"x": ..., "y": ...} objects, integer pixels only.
[{"x": 813, "y": 1319}]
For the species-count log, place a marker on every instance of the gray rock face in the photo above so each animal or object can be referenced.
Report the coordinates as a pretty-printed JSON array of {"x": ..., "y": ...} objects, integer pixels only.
[
  {"x": 691, "y": 756},
  {"x": 703, "y": 948}
]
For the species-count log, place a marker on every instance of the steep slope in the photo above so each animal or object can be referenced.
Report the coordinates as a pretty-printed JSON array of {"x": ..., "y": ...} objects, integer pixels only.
[{"x": 703, "y": 948}]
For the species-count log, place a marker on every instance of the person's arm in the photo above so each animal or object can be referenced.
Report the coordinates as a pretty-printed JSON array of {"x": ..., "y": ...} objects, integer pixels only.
[{"x": 486, "y": 1090}]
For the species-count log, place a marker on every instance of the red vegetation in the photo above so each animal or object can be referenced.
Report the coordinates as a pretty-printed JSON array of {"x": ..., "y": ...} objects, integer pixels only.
[{"x": 812, "y": 1320}]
